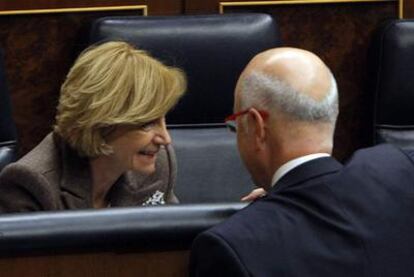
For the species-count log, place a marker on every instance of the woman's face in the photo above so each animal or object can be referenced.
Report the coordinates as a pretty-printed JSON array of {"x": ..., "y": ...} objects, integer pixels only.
[{"x": 136, "y": 148}]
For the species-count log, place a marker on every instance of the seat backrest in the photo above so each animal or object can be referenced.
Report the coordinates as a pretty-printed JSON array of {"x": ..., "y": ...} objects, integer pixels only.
[
  {"x": 212, "y": 50},
  {"x": 392, "y": 82},
  {"x": 8, "y": 136},
  {"x": 209, "y": 166}
]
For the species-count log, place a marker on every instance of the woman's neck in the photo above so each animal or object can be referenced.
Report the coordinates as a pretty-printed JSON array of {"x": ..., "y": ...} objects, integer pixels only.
[{"x": 104, "y": 174}]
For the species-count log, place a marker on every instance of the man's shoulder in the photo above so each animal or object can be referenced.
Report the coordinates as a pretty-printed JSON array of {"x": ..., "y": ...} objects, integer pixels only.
[
  {"x": 381, "y": 150},
  {"x": 380, "y": 156},
  {"x": 250, "y": 240},
  {"x": 243, "y": 225}
]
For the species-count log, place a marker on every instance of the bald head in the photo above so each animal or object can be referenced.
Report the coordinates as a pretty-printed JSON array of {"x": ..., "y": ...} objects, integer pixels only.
[
  {"x": 293, "y": 81},
  {"x": 300, "y": 69},
  {"x": 299, "y": 92}
]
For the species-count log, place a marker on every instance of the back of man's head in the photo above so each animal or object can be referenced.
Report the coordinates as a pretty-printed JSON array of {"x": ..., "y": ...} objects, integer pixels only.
[
  {"x": 291, "y": 81},
  {"x": 299, "y": 93}
]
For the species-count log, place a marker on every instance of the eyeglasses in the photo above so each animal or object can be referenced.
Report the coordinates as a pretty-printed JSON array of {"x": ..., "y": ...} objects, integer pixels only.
[{"x": 231, "y": 119}]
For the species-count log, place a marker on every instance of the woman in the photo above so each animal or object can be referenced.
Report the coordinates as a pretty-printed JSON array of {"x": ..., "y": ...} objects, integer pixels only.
[{"x": 110, "y": 146}]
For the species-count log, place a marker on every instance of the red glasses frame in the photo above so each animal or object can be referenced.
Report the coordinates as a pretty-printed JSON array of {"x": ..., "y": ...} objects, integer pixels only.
[{"x": 230, "y": 120}]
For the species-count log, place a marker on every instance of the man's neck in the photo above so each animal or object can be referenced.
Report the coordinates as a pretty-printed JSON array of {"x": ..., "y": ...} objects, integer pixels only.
[{"x": 290, "y": 165}]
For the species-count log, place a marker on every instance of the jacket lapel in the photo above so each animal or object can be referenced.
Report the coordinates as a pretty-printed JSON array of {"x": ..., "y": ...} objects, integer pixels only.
[{"x": 75, "y": 181}]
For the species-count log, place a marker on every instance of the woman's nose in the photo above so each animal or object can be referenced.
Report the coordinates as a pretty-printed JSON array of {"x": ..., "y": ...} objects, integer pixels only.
[{"x": 163, "y": 136}]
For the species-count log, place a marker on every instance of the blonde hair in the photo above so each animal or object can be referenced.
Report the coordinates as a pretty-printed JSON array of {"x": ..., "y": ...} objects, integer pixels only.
[{"x": 113, "y": 84}]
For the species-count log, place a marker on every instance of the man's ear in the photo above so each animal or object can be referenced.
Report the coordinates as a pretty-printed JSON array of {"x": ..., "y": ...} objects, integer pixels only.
[{"x": 257, "y": 127}]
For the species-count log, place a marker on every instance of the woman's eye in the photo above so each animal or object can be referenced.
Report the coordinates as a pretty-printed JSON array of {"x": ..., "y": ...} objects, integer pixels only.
[{"x": 150, "y": 125}]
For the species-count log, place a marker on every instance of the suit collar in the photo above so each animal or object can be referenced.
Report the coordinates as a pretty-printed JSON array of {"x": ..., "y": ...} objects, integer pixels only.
[
  {"x": 285, "y": 168},
  {"x": 306, "y": 171}
]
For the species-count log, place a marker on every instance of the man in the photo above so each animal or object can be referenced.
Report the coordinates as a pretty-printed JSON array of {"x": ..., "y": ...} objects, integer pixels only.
[{"x": 319, "y": 218}]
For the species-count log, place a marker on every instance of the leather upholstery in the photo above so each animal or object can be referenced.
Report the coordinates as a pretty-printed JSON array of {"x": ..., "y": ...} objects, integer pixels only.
[
  {"x": 144, "y": 228},
  {"x": 212, "y": 50},
  {"x": 8, "y": 136},
  {"x": 7, "y": 153},
  {"x": 209, "y": 172},
  {"x": 392, "y": 75}
]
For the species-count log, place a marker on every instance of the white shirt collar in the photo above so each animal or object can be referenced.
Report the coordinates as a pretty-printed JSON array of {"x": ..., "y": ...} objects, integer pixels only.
[{"x": 285, "y": 168}]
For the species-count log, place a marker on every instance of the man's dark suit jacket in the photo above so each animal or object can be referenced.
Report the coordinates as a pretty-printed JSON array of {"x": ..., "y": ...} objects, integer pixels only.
[{"x": 321, "y": 219}]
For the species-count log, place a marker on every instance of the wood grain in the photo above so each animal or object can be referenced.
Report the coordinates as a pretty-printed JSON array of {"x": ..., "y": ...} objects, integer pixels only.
[
  {"x": 144, "y": 264},
  {"x": 408, "y": 9},
  {"x": 58, "y": 4}
]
